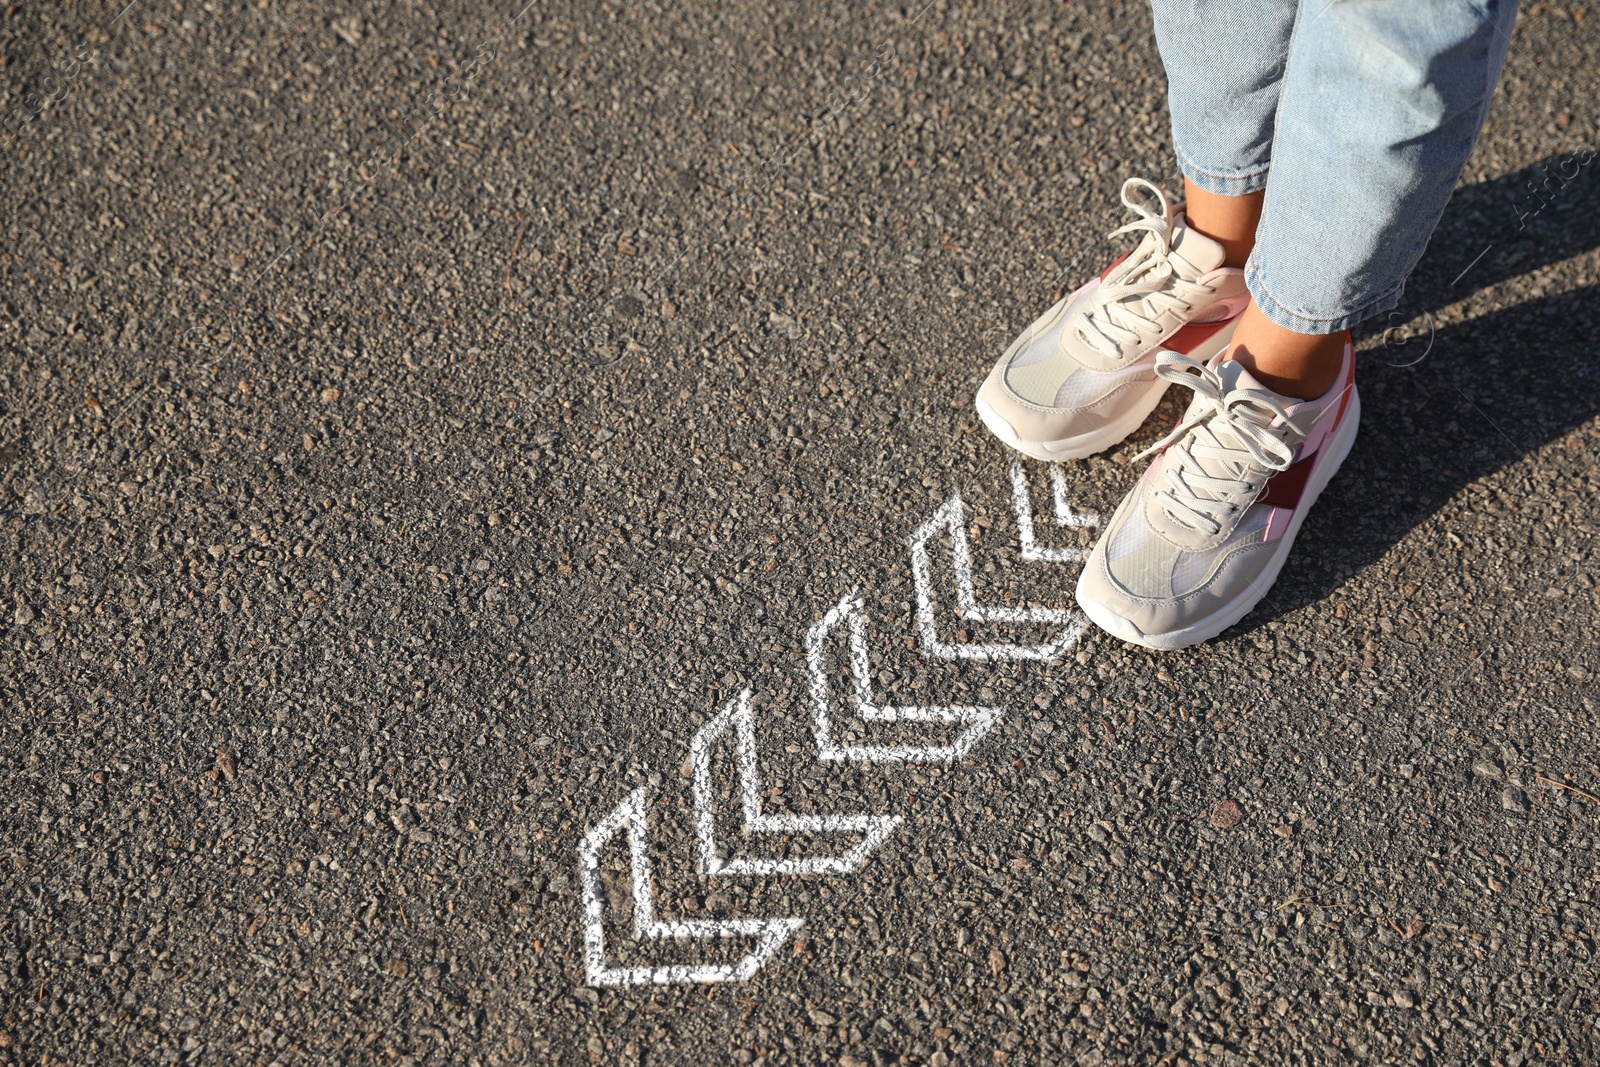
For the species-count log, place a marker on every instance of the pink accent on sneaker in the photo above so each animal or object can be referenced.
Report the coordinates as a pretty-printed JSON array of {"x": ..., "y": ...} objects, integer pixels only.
[
  {"x": 1223, "y": 310},
  {"x": 1277, "y": 523}
]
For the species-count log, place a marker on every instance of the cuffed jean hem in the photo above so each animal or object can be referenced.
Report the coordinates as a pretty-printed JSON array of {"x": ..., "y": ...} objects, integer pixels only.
[
  {"x": 1302, "y": 321},
  {"x": 1236, "y": 184}
]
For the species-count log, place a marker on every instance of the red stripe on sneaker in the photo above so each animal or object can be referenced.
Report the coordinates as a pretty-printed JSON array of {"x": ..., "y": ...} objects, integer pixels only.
[
  {"x": 1284, "y": 488},
  {"x": 1277, "y": 520},
  {"x": 1192, "y": 336}
]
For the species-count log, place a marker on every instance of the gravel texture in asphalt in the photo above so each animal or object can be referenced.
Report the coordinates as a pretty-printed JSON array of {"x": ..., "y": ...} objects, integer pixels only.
[{"x": 417, "y": 423}]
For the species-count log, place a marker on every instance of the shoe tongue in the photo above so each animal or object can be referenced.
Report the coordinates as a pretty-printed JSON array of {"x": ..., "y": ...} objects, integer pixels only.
[
  {"x": 1235, "y": 375},
  {"x": 1193, "y": 253},
  {"x": 1232, "y": 376}
]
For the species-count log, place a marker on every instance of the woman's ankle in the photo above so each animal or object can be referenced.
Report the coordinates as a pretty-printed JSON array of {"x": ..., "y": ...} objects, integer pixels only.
[
  {"x": 1228, "y": 220},
  {"x": 1299, "y": 365}
]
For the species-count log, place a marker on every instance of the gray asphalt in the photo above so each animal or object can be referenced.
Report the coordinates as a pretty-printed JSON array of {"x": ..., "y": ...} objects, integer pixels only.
[{"x": 416, "y": 423}]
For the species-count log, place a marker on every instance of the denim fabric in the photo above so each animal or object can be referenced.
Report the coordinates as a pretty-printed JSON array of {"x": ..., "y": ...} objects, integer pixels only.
[{"x": 1363, "y": 112}]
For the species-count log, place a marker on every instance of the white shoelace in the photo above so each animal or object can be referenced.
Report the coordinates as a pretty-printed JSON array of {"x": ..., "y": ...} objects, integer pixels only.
[
  {"x": 1198, "y": 500},
  {"x": 1109, "y": 323}
]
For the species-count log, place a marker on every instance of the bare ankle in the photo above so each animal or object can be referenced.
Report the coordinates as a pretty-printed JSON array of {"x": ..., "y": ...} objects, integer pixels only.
[
  {"x": 1228, "y": 220},
  {"x": 1299, "y": 365},
  {"x": 1300, "y": 384}
]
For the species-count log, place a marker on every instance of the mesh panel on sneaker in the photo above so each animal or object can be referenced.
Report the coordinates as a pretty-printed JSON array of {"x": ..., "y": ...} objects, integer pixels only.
[
  {"x": 1128, "y": 537},
  {"x": 1084, "y": 386},
  {"x": 1140, "y": 559},
  {"x": 1193, "y": 568},
  {"x": 1039, "y": 382},
  {"x": 1048, "y": 342}
]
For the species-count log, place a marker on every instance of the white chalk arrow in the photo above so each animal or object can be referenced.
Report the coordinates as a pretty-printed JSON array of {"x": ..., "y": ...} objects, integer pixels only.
[
  {"x": 952, "y": 517},
  {"x": 630, "y": 814},
  {"x": 1065, "y": 516},
  {"x": 850, "y": 609},
  {"x": 738, "y": 715}
]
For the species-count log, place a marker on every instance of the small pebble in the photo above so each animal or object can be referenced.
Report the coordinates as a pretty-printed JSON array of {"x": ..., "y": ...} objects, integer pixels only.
[{"x": 1226, "y": 815}]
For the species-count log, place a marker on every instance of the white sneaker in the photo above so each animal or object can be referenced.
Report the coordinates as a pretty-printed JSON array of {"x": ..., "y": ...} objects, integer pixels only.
[
  {"x": 1202, "y": 536},
  {"x": 1083, "y": 376}
]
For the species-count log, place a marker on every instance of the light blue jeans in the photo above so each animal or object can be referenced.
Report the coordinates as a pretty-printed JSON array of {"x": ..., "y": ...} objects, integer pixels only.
[{"x": 1363, "y": 112}]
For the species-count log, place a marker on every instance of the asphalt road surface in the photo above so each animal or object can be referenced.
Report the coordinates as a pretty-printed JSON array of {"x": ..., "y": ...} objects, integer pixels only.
[{"x": 442, "y": 448}]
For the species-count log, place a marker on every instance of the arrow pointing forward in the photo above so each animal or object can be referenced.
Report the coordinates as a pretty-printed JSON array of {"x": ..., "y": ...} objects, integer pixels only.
[
  {"x": 630, "y": 815},
  {"x": 737, "y": 714},
  {"x": 1065, "y": 516},
  {"x": 850, "y": 609},
  {"x": 952, "y": 517}
]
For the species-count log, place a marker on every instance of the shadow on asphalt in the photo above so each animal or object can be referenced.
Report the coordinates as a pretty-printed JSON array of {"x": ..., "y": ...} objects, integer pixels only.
[{"x": 1444, "y": 406}]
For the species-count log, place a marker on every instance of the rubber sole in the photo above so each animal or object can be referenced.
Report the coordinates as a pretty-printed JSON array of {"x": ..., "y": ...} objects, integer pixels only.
[{"x": 1245, "y": 602}]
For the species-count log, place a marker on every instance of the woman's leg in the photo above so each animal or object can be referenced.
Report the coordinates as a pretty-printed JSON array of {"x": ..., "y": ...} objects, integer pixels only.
[
  {"x": 1289, "y": 362},
  {"x": 1224, "y": 67},
  {"x": 1382, "y": 103},
  {"x": 1225, "y": 62}
]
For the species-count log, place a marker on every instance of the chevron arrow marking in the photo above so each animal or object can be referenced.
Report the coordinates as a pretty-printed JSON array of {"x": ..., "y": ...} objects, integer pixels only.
[
  {"x": 876, "y": 828},
  {"x": 630, "y": 816},
  {"x": 952, "y": 517},
  {"x": 1065, "y": 516},
  {"x": 982, "y": 719},
  {"x": 771, "y": 934}
]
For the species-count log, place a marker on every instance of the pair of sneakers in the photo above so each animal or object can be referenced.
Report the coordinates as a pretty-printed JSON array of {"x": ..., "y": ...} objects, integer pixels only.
[{"x": 1200, "y": 539}]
